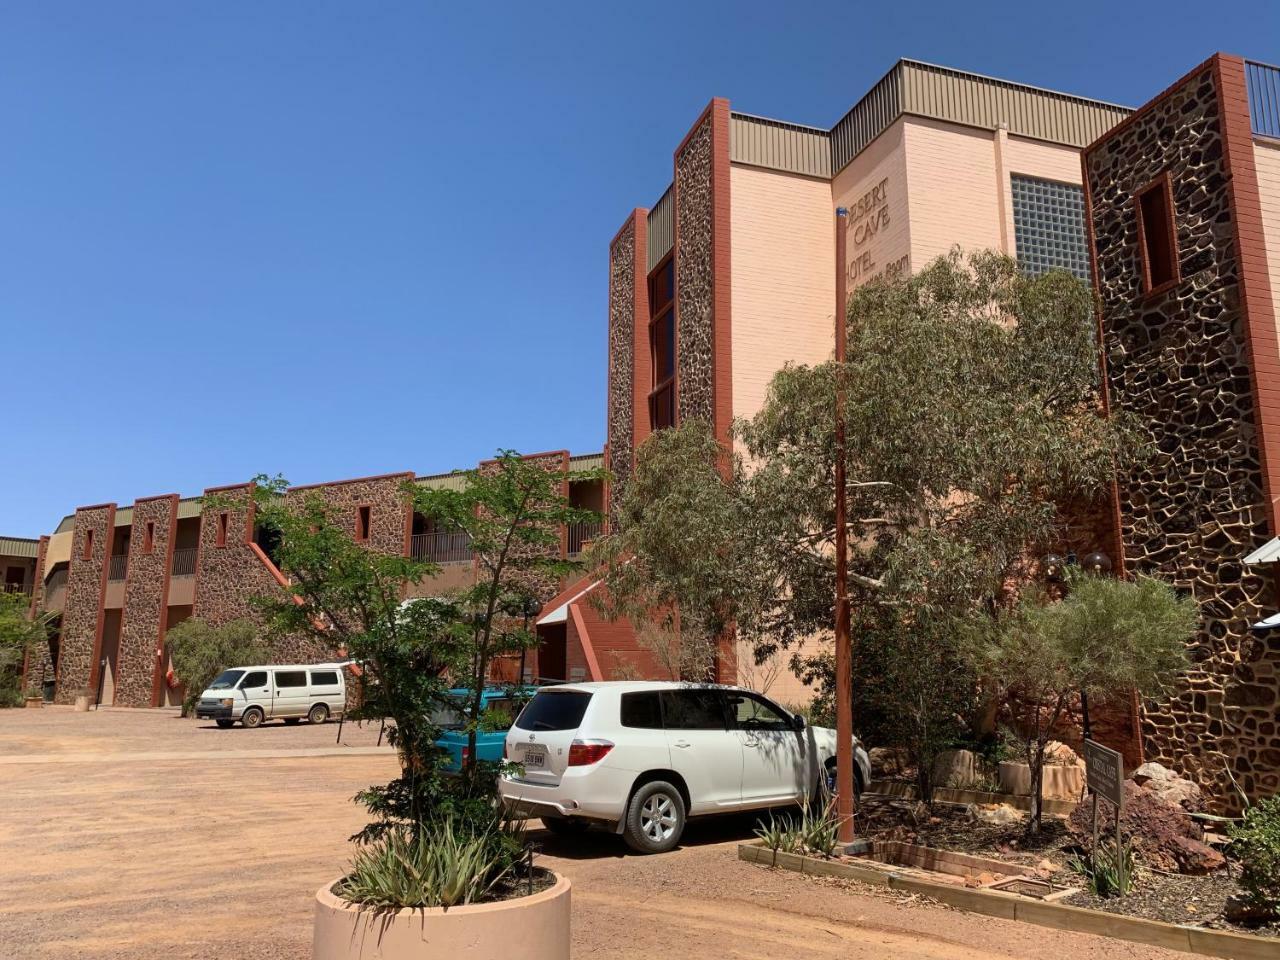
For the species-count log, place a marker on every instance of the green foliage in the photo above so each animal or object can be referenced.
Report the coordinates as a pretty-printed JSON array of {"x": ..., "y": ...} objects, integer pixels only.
[
  {"x": 1107, "y": 871},
  {"x": 449, "y": 866},
  {"x": 1256, "y": 844},
  {"x": 412, "y": 652},
  {"x": 201, "y": 651},
  {"x": 815, "y": 833},
  {"x": 777, "y": 834},
  {"x": 1106, "y": 638},
  {"x": 19, "y": 635}
]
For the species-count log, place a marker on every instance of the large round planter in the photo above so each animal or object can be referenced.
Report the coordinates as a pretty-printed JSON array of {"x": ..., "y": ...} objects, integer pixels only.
[
  {"x": 1060, "y": 783},
  {"x": 526, "y": 928}
]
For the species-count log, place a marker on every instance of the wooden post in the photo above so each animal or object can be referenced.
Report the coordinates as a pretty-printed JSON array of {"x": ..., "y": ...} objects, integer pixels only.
[{"x": 844, "y": 652}]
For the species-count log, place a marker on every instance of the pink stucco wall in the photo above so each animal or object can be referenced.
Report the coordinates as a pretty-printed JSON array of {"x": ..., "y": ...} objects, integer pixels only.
[
  {"x": 783, "y": 248},
  {"x": 879, "y": 227}
]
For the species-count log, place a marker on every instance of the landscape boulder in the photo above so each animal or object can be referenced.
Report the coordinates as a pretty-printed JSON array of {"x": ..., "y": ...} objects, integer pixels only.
[
  {"x": 1163, "y": 835},
  {"x": 1167, "y": 785},
  {"x": 888, "y": 763},
  {"x": 999, "y": 813}
]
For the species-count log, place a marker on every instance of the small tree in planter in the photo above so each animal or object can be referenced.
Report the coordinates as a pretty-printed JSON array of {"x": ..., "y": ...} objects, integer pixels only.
[
  {"x": 433, "y": 840},
  {"x": 1108, "y": 637}
]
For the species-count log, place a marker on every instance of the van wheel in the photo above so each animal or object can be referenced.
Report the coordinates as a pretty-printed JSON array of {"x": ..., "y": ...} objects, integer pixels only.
[
  {"x": 319, "y": 714},
  {"x": 224, "y": 724},
  {"x": 252, "y": 718},
  {"x": 655, "y": 818}
]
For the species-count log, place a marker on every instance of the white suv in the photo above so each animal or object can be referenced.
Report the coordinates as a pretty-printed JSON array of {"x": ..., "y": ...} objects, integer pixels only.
[{"x": 641, "y": 756}]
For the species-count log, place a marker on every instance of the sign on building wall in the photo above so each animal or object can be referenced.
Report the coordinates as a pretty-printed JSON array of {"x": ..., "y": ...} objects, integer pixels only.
[{"x": 873, "y": 241}]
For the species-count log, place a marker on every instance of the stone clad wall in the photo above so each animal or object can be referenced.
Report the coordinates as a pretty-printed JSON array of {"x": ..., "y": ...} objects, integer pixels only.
[
  {"x": 39, "y": 665},
  {"x": 146, "y": 600},
  {"x": 540, "y": 585},
  {"x": 695, "y": 277},
  {"x": 1184, "y": 363},
  {"x": 622, "y": 352},
  {"x": 390, "y": 515},
  {"x": 82, "y": 611}
]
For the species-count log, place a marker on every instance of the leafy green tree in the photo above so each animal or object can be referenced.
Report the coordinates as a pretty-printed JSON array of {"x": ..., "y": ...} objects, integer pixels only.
[
  {"x": 19, "y": 635},
  {"x": 1107, "y": 638},
  {"x": 201, "y": 651},
  {"x": 411, "y": 652}
]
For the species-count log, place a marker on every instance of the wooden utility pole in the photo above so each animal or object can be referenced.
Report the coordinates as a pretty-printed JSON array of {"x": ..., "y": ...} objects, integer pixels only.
[{"x": 844, "y": 652}]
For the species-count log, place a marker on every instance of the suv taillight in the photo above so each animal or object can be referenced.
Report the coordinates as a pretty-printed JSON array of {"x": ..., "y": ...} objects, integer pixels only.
[{"x": 583, "y": 753}]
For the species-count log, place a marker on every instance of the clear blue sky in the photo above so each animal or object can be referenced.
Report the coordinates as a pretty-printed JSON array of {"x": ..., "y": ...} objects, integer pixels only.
[{"x": 338, "y": 239}]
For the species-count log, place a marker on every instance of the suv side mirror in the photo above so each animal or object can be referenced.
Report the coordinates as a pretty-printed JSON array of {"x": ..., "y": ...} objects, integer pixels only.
[{"x": 797, "y": 721}]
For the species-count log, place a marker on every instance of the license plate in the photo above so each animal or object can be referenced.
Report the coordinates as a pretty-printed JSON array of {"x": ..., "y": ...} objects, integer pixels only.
[{"x": 534, "y": 758}]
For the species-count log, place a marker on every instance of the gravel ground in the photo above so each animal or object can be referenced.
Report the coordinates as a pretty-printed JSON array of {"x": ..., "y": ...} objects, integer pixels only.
[{"x": 216, "y": 855}]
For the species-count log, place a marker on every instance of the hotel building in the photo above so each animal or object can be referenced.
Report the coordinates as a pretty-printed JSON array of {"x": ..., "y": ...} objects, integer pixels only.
[{"x": 1171, "y": 212}]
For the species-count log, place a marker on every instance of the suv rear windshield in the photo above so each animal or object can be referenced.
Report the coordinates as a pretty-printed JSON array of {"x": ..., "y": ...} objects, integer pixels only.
[{"x": 554, "y": 711}]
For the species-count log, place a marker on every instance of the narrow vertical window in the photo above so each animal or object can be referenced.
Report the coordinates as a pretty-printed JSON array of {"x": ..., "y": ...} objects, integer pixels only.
[
  {"x": 363, "y": 516},
  {"x": 222, "y": 529},
  {"x": 662, "y": 345},
  {"x": 149, "y": 537},
  {"x": 1157, "y": 237},
  {"x": 87, "y": 554}
]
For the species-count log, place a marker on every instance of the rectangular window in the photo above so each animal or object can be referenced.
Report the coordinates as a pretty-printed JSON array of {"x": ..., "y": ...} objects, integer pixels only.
[
  {"x": 1157, "y": 239},
  {"x": 696, "y": 709},
  {"x": 255, "y": 678},
  {"x": 87, "y": 552},
  {"x": 222, "y": 529},
  {"x": 149, "y": 537},
  {"x": 363, "y": 516},
  {"x": 662, "y": 345},
  {"x": 326, "y": 679},
  {"x": 1048, "y": 226},
  {"x": 641, "y": 711},
  {"x": 291, "y": 678}
]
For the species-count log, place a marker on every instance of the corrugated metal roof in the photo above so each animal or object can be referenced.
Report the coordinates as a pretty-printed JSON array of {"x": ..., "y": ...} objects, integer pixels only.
[
  {"x": 1269, "y": 552},
  {"x": 443, "y": 481},
  {"x": 661, "y": 229},
  {"x": 587, "y": 461},
  {"x": 19, "y": 547},
  {"x": 922, "y": 90}
]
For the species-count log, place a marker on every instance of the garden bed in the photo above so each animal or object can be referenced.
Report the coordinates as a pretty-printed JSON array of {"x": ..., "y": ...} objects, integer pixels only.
[{"x": 1168, "y": 898}]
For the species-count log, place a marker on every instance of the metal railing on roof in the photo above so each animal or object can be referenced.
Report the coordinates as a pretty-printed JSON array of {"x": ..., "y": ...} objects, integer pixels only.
[
  {"x": 118, "y": 567},
  {"x": 580, "y": 534},
  {"x": 184, "y": 562},
  {"x": 1263, "y": 83},
  {"x": 17, "y": 588},
  {"x": 445, "y": 546}
]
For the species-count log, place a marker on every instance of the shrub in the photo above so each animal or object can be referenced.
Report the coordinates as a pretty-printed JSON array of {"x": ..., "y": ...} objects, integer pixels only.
[
  {"x": 816, "y": 832},
  {"x": 1108, "y": 870},
  {"x": 1256, "y": 844},
  {"x": 443, "y": 865},
  {"x": 201, "y": 651}
]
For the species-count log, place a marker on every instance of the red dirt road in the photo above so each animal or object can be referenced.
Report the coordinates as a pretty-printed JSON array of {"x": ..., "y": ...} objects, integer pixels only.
[{"x": 131, "y": 834}]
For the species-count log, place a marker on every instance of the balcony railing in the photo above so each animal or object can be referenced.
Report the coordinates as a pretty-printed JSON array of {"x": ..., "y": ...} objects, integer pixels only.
[
  {"x": 184, "y": 562},
  {"x": 118, "y": 566},
  {"x": 442, "y": 547},
  {"x": 1263, "y": 81},
  {"x": 18, "y": 588},
  {"x": 580, "y": 534}
]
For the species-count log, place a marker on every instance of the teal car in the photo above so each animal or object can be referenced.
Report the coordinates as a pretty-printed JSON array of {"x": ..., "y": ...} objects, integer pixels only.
[{"x": 499, "y": 707}]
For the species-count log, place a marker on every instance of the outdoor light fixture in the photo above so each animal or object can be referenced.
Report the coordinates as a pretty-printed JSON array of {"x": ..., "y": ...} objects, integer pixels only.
[
  {"x": 1096, "y": 562},
  {"x": 1053, "y": 565}
]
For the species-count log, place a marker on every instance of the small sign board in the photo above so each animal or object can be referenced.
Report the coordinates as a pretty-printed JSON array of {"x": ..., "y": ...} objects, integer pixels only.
[{"x": 1104, "y": 771}]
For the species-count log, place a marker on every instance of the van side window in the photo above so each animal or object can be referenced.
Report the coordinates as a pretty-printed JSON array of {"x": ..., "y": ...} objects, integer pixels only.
[
  {"x": 257, "y": 678},
  {"x": 324, "y": 679},
  {"x": 693, "y": 710},
  {"x": 291, "y": 678},
  {"x": 641, "y": 711}
]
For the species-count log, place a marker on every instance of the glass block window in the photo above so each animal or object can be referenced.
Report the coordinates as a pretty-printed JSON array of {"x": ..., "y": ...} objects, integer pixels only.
[{"x": 1048, "y": 226}]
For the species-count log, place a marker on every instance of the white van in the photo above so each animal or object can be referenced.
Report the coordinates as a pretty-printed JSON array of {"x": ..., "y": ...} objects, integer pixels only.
[{"x": 251, "y": 695}]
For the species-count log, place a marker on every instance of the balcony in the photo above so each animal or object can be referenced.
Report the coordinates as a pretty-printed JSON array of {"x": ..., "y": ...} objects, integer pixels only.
[
  {"x": 118, "y": 566},
  {"x": 1263, "y": 82},
  {"x": 442, "y": 547},
  {"x": 184, "y": 562},
  {"x": 580, "y": 534},
  {"x": 17, "y": 588}
]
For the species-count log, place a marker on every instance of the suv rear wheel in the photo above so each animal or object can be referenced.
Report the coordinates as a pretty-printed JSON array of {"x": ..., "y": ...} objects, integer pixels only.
[{"x": 655, "y": 818}]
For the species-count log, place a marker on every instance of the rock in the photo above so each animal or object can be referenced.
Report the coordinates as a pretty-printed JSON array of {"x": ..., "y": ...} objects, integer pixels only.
[
  {"x": 958, "y": 768},
  {"x": 1000, "y": 813},
  {"x": 1045, "y": 869},
  {"x": 887, "y": 762},
  {"x": 985, "y": 878},
  {"x": 1163, "y": 835},
  {"x": 1058, "y": 754},
  {"x": 1167, "y": 785},
  {"x": 1240, "y": 908},
  {"x": 1195, "y": 858}
]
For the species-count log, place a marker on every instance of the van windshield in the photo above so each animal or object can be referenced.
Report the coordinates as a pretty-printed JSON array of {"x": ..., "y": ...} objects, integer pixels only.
[{"x": 226, "y": 680}]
